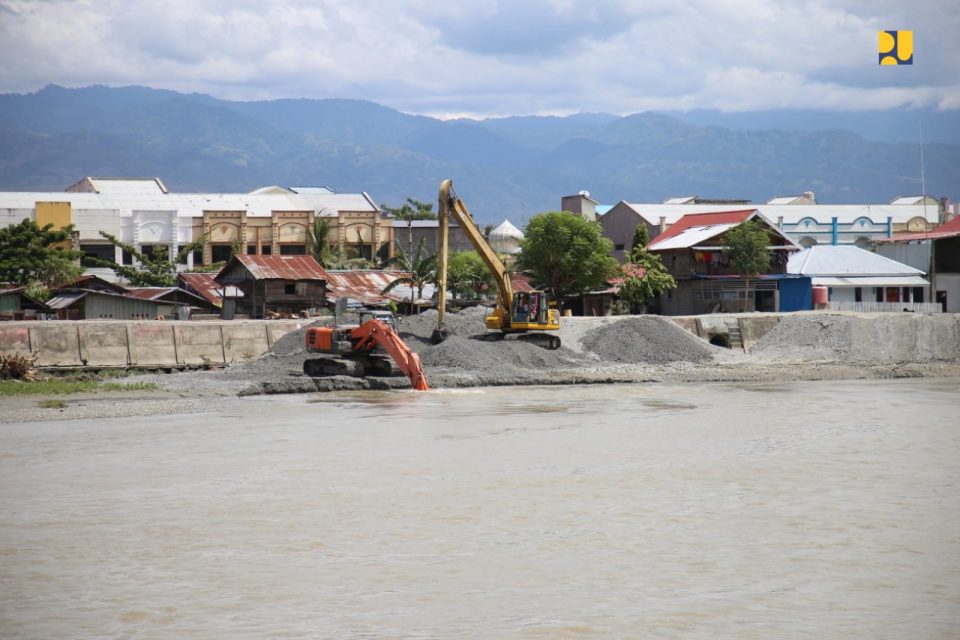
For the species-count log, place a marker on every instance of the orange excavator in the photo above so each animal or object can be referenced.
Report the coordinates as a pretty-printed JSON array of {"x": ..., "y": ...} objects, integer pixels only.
[{"x": 363, "y": 350}]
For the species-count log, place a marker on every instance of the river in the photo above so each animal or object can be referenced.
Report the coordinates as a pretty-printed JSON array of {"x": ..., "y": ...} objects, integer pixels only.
[{"x": 800, "y": 510}]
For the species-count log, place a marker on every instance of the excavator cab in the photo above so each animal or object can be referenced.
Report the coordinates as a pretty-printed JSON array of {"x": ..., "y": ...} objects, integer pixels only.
[
  {"x": 530, "y": 307},
  {"x": 384, "y": 316}
]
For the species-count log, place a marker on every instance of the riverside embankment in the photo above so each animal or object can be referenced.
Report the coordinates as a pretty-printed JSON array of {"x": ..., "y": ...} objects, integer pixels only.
[
  {"x": 780, "y": 347},
  {"x": 806, "y": 346}
]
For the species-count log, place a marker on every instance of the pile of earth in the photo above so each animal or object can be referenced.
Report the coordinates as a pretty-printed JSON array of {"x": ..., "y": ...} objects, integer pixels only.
[{"x": 646, "y": 340}]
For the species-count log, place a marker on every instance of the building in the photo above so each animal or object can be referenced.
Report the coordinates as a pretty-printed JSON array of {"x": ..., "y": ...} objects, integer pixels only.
[
  {"x": 408, "y": 234},
  {"x": 273, "y": 286},
  {"x": 142, "y": 212},
  {"x": 691, "y": 250},
  {"x": 936, "y": 252},
  {"x": 854, "y": 275},
  {"x": 581, "y": 204},
  {"x": 801, "y": 217}
]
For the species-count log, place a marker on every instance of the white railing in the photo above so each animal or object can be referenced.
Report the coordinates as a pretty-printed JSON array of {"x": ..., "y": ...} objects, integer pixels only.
[{"x": 874, "y": 307}]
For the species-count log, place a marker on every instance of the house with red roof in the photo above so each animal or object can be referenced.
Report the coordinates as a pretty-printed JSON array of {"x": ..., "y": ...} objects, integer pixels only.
[{"x": 692, "y": 251}]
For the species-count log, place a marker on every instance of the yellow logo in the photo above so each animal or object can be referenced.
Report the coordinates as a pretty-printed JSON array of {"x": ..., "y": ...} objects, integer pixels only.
[{"x": 895, "y": 47}]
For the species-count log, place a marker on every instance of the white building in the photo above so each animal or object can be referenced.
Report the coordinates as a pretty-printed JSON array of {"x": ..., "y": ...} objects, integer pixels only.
[
  {"x": 855, "y": 275},
  {"x": 142, "y": 212}
]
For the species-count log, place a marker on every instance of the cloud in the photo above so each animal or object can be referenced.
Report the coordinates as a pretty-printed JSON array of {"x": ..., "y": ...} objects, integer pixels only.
[{"x": 493, "y": 57}]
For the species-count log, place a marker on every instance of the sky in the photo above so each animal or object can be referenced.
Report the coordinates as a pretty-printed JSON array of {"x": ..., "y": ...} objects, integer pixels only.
[{"x": 482, "y": 58}]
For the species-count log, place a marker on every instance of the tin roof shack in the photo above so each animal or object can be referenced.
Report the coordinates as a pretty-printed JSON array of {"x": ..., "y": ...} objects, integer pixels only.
[
  {"x": 15, "y": 304},
  {"x": 692, "y": 251},
  {"x": 274, "y": 286},
  {"x": 174, "y": 301},
  {"x": 364, "y": 287},
  {"x": 206, "y": 286},
  {"x": 84, "y": 304}
]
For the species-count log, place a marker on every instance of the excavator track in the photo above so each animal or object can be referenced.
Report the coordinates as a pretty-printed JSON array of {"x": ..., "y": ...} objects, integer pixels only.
[
  {"x": 542, "y": 340},
  {"x": 319, "y": 367}
]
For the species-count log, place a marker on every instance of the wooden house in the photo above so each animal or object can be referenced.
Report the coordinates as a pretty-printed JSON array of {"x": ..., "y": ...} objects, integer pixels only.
[{"x": 273, "y": 286}]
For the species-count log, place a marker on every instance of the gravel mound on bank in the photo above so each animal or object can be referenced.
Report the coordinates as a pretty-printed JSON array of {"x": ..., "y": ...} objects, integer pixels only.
[
  {"x": 646, "y": 340},
  {"x": 883, "y": 338}
]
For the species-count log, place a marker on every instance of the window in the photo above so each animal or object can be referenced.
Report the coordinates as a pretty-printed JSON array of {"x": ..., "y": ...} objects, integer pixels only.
[
  {"x": 127, "y": 257},
  {"x": 266, "y": 250},
  {"x": 96, "y": 251},
  {"x": 221, "y": 252},
  {"x": 290, "y": 289},
  {"x": 198, "y": 257},
  {"x": 618, "y": 247},
  {"x": 251, "y": 249},
  {"x": 858, "y": 294},
  {"x": 292, "y": 249}
]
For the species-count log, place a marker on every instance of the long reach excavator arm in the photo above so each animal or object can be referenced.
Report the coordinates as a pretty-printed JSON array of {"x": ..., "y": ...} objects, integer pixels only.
[{"x": 521, "y": 312}]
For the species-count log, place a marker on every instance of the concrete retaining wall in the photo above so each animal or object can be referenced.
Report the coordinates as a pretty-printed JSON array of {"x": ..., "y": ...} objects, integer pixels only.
[{"x": 144, "y": 344}]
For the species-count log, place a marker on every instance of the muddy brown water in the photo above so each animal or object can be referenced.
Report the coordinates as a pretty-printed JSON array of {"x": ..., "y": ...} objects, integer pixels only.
[{"x": 797, "y": 510}]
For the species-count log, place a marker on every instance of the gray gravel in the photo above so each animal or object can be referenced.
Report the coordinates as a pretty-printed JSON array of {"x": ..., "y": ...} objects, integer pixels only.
[{"x": 609, "y": 349}]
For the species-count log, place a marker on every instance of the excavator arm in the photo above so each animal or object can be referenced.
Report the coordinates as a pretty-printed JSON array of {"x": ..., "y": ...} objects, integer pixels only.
[
  {"x": 375, "y": 332},
  {"x": 452, "y": 205},
  {"x": 529, "y": 312}
]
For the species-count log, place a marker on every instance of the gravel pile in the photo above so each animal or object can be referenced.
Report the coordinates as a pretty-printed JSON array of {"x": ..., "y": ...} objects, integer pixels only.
[
  {"x": 646, "y": 340},
  {"x": 606, "y": 349}
]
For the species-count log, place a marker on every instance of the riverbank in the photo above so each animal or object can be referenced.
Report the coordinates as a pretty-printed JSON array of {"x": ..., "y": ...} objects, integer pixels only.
[{"x": 632, "y": 349}]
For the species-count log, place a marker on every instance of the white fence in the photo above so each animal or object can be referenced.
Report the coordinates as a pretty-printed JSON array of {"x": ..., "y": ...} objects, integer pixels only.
[{"x": 874, "y": 307}]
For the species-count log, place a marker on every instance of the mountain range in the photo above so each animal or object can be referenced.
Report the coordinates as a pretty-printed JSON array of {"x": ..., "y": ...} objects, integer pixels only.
[{"x": 503, "y": 167}]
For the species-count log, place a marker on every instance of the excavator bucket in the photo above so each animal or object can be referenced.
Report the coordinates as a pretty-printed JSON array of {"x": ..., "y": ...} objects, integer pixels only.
[{"x": 439, "y": 335}]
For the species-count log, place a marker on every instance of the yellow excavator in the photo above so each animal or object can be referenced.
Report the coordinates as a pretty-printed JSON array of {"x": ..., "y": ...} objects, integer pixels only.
[{"x": 520, "y": 312}]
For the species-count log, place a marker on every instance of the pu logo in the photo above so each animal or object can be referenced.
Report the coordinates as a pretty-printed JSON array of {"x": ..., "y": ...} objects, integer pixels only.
[{"x": 896, "y": 47}]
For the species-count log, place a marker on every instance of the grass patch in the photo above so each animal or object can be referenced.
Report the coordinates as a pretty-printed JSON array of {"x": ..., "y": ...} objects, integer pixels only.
[
  {"x": 52, "y": 404},
  {"x": 55, "y": 387}
]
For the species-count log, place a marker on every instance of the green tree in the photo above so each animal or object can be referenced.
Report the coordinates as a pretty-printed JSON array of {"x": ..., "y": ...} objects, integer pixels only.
[
  {"x": 318, "y": 242},
  {"x": 639, "y": 288},
  {"x": 566, "y": 254},
  {"x": 468, "y": 274},
  {"x": 647, "y": 277},
  {"x": 155, "y": 268},
  {"x": 746, "y": 248},
  {"x": 28, "y": 254},
  {"x": 641, "y": 237},
  {"x": 420, "y": 269},
  {"x": 411, "y": 210}
]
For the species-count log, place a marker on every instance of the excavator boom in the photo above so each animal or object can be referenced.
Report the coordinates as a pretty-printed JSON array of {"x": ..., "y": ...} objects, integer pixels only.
[
  {"x": 376, "y": 332},
  {"x": 350, "y": 351},
  {"x": 520, "y": 313}
]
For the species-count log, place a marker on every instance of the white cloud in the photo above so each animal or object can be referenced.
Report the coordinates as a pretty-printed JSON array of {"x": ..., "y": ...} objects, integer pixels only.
[{"x": 492, "y": 57}]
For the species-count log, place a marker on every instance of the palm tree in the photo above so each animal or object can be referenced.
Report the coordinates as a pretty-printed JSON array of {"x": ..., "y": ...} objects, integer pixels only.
[
  {"x": 421, "y": 270},
  {"x": 318, "y": 243}
]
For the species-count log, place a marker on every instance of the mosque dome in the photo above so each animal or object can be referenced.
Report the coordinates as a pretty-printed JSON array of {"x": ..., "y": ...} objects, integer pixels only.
[{"x": 506, "y": 238}]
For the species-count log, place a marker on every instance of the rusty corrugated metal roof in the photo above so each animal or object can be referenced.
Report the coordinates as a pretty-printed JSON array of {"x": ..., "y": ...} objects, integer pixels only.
[
  {"x": 149, "y": 293},
  {"x": 278, "y": 267},
  {"x": 207, "y": 288},
  {"x": 365, "y": 286},
  {"x": 157, "y": 294}
]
